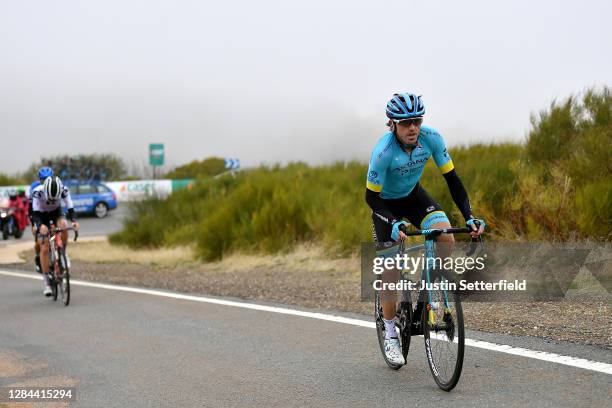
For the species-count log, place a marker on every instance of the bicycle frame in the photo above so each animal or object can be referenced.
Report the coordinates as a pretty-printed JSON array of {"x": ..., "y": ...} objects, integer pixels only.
[
  {"x": 429, "y": 246},
  {"x": 56, "y": 243}
]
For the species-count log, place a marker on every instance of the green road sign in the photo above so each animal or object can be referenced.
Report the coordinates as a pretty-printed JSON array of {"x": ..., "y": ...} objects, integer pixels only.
[{"x": 156, "y": 154}]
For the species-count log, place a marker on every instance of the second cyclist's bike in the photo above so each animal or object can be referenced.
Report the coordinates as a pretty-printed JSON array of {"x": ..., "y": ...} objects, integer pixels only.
[{"x": 59, "y": 266}]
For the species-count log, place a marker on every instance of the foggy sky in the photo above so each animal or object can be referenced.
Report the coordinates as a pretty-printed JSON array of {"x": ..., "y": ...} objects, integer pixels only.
[{"x": 269, "y": 81}]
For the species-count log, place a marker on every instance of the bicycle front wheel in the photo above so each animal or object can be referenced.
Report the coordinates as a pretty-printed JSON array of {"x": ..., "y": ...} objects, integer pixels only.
[
  {"x": 64, "y": 281},
  {"x": 53, "y": 282},
  {"x": 444, "y": 335}
]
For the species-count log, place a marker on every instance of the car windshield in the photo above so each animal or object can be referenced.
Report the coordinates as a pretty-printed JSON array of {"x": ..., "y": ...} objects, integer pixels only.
[
  {"x": 87, "y": 189},
  {"x": 103, "y": 189}
]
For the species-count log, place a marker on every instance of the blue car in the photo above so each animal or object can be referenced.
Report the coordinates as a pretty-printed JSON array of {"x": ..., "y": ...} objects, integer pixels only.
[{"x": 91, "y": 197}]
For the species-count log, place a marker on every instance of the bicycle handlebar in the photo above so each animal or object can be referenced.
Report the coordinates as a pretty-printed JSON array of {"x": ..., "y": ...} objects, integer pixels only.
[
  {"x": 58, "y": 229},
  {"x": 434, "y": 231}
]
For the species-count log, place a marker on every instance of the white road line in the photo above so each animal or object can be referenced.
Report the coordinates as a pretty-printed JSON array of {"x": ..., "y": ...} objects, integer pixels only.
[{"x": 502, "y": 348}]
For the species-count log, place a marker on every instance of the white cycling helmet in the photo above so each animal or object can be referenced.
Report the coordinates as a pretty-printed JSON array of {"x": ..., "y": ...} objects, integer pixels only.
[{"x": 53, "y": 188}]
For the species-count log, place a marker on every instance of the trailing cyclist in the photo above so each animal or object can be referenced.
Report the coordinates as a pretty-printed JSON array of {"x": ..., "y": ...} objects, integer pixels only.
[
  {"x": 47, "y": 201},
  {"x": 43, "y": 173},
  {"x": 393, "y": 191}
]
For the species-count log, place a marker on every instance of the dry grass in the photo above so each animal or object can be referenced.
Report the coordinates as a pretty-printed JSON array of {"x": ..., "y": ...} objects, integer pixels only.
[
  {"x": 104, "y": 252},
  {"x": 303, "y": 258}
]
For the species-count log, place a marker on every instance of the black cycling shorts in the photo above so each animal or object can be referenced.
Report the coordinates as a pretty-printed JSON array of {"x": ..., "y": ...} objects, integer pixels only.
[
  {"x": 47, "y": 217},
  {"x": 418, "y": 207}
]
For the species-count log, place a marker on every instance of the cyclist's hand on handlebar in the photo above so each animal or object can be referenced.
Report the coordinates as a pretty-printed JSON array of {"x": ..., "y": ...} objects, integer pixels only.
[
  {"x": 477, "y": 225},
  {"x": 396, "y": 234}
]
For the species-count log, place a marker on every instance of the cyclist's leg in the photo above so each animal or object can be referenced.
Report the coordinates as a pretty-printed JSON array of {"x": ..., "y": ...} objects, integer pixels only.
[
  {"x": 381, "y": 232},
  {"x": 428, "y": 214},
  {"x": 36, "y": 249},
  {"x": 44, "y": 243},
  {"x": 44, "y": 252},
  {"x": 61, "y": 222}
]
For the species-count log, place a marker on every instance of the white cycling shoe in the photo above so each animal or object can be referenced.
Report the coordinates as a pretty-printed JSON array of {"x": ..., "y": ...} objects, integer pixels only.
[
  {"x": 393, "y": 352},
  {"x": 47, "y": 291}
]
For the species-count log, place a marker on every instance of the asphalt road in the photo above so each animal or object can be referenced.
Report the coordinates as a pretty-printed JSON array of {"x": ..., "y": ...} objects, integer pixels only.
[{"x": 127, "y": 349}]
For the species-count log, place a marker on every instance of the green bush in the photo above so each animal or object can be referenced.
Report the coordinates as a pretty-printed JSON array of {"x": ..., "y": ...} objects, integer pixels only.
[
  {"x": 594, "y": 209},
  {"x": 6, "y": 180},
  {"x": 205, "y": 168}
]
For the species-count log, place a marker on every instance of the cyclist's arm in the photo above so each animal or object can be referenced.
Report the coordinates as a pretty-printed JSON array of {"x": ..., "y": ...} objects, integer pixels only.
[
  {"x": 446, "y": 166},
  {"x": 459, "y": 193},
  {"x": 36, "y": 213},
  {"x": 378, "y": 206},
  {"x": 30, "y": 210},
  {"x": 67, "y": 200},
  {"x": 377, "y": 171},
  {"x": 30, "y": 201}
]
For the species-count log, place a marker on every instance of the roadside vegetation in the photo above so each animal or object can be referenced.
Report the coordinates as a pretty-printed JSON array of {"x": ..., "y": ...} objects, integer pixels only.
[
  {"x": 555, "y": 186},
  {"x": 7, "y": 180},
  {"x": 209, "y": 167}
]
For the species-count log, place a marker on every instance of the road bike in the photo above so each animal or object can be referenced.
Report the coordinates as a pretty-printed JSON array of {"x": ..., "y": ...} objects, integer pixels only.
[
  {"x": 59, "y": 266},
  {"x": 438, "y": 315}
]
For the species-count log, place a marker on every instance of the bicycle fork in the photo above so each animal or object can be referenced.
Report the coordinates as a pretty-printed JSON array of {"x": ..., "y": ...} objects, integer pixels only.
[{"x": 430, "y": 257}]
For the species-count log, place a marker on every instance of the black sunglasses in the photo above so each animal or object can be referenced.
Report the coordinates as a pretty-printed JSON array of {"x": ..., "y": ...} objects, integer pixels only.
[{"x": 407, "y": 122}]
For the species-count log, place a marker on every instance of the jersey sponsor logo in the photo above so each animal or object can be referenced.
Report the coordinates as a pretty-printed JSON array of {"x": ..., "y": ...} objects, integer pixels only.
[
  {"x": 387, "y": 147},
  {"x": 407, "y": 168},
  {"x": 372, "y": 176}
]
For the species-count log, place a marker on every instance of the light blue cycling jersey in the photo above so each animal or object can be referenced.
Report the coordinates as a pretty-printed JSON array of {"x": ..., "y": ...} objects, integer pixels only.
[{"x": 394, "y": 172}]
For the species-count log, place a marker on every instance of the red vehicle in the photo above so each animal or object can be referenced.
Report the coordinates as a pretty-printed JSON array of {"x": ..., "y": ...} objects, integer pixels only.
[{"x": 14, "y": 219}]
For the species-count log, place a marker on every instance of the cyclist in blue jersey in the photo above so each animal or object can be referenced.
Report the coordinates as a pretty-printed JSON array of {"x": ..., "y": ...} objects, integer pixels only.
[
  {"x": 43, "y": 173},
  {"x": 393, "y": 191}
]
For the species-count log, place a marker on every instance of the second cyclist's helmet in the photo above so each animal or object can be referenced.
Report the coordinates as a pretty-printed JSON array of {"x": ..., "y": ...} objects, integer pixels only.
[
  {"x": 53, "y": 188},
  {"x": 405, "y": 106},
  {"x": 45, "y": 172}
]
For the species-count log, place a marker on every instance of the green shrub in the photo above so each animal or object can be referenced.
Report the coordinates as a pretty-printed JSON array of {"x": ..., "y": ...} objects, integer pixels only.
[
  {"x": 6, "y": 180},
  {"x": 594, "y": 209},
  {"x": 205, "y": 168}
]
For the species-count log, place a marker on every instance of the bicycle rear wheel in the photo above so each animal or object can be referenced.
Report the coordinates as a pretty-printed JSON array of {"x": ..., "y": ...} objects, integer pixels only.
[{"x": 444, "y": 335}]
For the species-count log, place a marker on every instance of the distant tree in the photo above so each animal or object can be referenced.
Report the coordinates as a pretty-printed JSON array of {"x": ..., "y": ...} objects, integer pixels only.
[
  {"x": 83, "y": 166},
  {"x": 198, "y": 168},
  {"x": 6, "y": 180}
]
